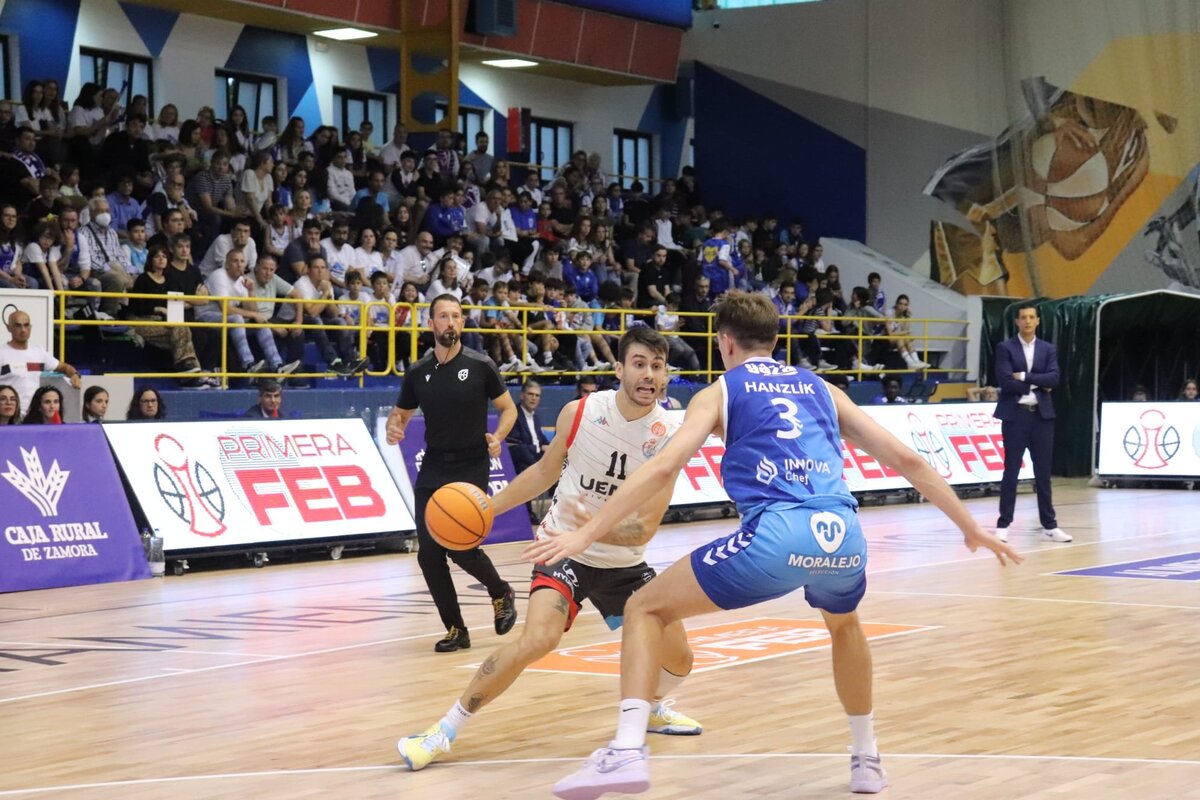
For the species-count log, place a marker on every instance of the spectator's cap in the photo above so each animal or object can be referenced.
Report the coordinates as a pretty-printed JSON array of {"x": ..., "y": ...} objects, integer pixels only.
[{"x": 269, "y": 386}]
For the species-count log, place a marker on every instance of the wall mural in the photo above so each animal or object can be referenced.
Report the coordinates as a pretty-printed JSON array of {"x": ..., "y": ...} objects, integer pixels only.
[{"x": 1057, "y": 177}]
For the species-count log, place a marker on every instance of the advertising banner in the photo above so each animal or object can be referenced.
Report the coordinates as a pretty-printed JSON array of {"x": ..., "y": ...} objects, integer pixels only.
[
  {"x": 65, "y": 520},
  {"x": 961, "y": 441},
  {"x": 512, "y": 526},
  {"x": 245, "y": 483},
  {"x": 1154, "y": 440}
]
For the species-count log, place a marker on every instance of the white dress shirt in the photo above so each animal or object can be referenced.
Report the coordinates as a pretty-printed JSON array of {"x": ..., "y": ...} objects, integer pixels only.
[{"x": 1029, "y": 399}]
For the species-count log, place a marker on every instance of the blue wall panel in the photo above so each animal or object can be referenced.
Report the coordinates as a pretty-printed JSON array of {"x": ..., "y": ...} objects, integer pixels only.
[
  {"x": 669, "y": 12},
  {"x": 270, "y": 52},
  {"x": 659, "y": 118},
  {"x": 154, "y": 25},
  {"x": 46, "y": 30},
  {"x": 782, "y": 163}
]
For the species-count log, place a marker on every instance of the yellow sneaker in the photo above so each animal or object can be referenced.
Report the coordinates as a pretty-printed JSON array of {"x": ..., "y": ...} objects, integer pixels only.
[
  {"x": 664, "y": 719},
  {"x": 423, "y": 749}
]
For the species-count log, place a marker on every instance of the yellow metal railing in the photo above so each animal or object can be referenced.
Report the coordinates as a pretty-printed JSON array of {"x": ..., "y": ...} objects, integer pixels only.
[{"x": 411, "y": 325}]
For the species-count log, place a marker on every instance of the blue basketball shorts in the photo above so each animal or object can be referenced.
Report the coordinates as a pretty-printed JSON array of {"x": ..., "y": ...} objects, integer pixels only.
[{"x": 782, "y": 549}]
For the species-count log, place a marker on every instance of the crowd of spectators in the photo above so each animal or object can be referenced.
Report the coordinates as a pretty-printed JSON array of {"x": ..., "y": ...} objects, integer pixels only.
[{"x": 100, "y": 197}]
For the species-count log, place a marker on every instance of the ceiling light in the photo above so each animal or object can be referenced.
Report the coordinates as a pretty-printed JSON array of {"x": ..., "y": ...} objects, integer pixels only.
[
  {"x": 345, "y": 34},
  {"x": 509, "y": 63}
]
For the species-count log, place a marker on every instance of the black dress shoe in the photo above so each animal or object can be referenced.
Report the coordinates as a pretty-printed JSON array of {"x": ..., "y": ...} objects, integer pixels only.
[
  {"x": 456, "y": 639},
  {"x": 506, "y": 612}
]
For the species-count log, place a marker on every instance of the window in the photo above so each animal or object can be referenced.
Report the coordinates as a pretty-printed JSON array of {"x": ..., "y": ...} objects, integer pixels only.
[
  {"x": 352, "y": 107},
  {"x": 470, "y": 122},
  {"x": 254, "y": 93},
  {"x": 550, "y": 144},
  {"x": 5, "y": 79},
  {"x": 633, "y": 157},
  {"x": 129, "y": 75}
]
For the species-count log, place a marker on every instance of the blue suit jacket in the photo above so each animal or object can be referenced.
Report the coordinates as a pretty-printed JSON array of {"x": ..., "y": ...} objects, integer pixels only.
[
  {"x": 521, "y": 446},
  {"x": 1010, "y": 358}
]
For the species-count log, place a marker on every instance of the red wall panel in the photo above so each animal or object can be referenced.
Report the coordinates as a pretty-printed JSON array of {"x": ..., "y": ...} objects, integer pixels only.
[
  {"x": 656, "y": 51},
  {"x": 557, "y": 32},
  {"x": 607, "y": 41}
]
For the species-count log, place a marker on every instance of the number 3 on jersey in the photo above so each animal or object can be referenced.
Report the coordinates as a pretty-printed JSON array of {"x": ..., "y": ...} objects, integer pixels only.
[{"x": 788, "y": 415}]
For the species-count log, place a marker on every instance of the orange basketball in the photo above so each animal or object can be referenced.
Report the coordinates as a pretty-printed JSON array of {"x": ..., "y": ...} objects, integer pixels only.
[{"x": 459, "y": 516}]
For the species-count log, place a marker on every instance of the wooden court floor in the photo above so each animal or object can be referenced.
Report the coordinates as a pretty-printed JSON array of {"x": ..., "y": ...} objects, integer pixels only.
[{"x": 295, "y": 680}]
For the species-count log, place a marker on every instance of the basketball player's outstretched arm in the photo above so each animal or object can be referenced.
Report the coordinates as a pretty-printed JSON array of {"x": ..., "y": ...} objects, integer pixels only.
[
  {"x": 701, "y": 419},
  {"x": 876, "y": 440},
  {"x": 544, "y": 472}
]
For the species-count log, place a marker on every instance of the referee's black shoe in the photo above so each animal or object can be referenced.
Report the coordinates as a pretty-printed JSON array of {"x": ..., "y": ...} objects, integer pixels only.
[
  {"x": 456, "y": 639},
  {"x": 506, "y": 611}
]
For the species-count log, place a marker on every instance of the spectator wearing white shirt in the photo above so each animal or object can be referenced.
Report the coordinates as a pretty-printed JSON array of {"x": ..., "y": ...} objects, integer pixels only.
[
  {"x": 501, "y": 270},
  {"x": 484, "y": 229},
  {"x": 22, "y": 363},
  {"x": 417, "y": 262},
  {"x": 446, "y": 282},
  {"x": 237, "y": 239},
  {"x": 339, "y": 187},
  {"x": 340, "y": 353},
  {"x": 256, "y": 187},
  {"x": 43, "y": 254},
  {"x": 453, "y": 249},
  {"x": 232, "y": 281},
  {"x": 389, "y": 257},
  {"x": 367, "y": 259},
  {"x": 339, "y": 254},
  {"x": 390, "y": 153}
]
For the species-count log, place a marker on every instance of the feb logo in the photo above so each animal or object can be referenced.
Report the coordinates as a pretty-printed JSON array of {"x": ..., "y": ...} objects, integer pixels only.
[
  {"x": 1151, "y": 443},
  {"x": 188, "y": 488},
  {"x": 929, "y": 446}
]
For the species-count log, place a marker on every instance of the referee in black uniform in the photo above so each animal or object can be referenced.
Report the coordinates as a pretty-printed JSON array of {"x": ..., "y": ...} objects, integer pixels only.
[{"x": 452, "y": 386}]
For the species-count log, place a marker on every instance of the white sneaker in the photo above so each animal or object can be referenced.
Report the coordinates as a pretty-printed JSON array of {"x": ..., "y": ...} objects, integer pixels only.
[
  {"x": 533, "y": 366},
  {"x": 512, "y": 365},
  {"x": 607, "y": 770},
  {"x": 1002, "y": 534},
  {"x": 1057, "y": 535},
  {"x": 804, "y": 363},
  {"x": 867, "y": 775},
  {"x": 823, "y": 364}
]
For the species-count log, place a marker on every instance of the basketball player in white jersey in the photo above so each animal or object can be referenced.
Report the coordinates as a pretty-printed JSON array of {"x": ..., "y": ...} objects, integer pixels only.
[{"x": 602, "y": 437}]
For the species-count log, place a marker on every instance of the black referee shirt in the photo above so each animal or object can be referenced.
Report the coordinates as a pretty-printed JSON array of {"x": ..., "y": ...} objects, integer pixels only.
[{"x": 454, "y": 399}]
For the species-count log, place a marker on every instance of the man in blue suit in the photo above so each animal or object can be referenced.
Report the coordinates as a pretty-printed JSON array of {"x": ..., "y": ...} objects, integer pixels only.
[
  {"x": 1027, "y": 370},
  {"x": 526, "y": 442}
]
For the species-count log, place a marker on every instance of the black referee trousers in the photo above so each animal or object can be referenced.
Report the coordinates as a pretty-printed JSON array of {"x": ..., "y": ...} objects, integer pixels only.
[{"x": 432, "y": 556}]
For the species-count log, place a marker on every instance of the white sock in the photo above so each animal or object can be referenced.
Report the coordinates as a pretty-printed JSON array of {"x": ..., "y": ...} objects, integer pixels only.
[
  {"x": 455, "y": 718},
  {"x": 668, "y": 682},
  {"x": 862, "y": 734},
  {"x": 631, "y": 724}
]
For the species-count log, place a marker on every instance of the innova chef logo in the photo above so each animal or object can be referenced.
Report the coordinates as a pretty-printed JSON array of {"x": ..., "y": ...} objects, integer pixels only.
[{"x": 1151, "y": 442}]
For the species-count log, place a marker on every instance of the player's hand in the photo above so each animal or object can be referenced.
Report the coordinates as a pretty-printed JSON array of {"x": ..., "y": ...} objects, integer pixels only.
[
  {"x": 395, "y": 431},
  {"x": 977, "y": 537},
  {"x": 493, "y": 444},
  {"x": 554, "y": 546}
]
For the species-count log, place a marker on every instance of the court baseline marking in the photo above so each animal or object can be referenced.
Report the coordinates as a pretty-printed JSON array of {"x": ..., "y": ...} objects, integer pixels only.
[
  {"x": 1038, "y": 599},
  {"x": 574, "y": 759}
]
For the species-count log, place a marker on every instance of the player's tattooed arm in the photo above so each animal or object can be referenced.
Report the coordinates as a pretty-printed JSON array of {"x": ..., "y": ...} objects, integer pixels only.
[{"x": 629, "y": 532}]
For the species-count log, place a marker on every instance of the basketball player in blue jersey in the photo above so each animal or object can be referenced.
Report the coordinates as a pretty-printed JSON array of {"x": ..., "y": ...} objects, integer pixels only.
[{"x": 783, "y": 467}]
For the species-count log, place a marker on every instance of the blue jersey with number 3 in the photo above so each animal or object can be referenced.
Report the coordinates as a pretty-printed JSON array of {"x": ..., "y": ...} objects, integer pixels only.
[{"x": 781, "y": 439}]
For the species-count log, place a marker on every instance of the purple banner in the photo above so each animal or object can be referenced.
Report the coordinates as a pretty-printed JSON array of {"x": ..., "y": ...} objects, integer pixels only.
[
  {"x": 511, "y": 526},
  {"x": 66, "y": 521},
  {"x": 1182, "y": 567}
]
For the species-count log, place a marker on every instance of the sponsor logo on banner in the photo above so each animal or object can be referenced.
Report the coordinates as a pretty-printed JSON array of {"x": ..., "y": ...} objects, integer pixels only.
[
  {"x": 719, "y": 646},
  {"x": 1152, "y": 442},
  {"x": 240, "y": 483},
  {"x": 43, "y": 489},
  {"x": 512, "y": 525},
  {"x": 1181, "y": 567},
  {"x": 1147, "y": 439},
  {"x": 60, "y": 530}
]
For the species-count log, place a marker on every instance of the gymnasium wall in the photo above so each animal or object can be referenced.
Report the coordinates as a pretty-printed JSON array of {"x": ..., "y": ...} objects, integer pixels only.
[
  {"x": 999, "y": 146},
  {"x": 45, "y": 37}
]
